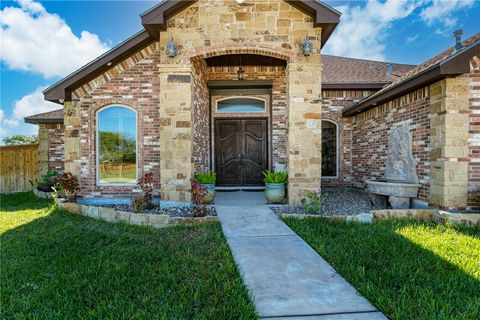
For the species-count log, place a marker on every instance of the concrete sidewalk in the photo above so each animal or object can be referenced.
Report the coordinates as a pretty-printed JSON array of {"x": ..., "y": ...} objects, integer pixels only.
[{"x": 285, "y": 276}]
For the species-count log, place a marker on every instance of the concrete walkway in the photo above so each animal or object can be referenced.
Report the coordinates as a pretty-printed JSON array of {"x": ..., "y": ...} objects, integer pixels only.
[{"x": 285, "y": 276}]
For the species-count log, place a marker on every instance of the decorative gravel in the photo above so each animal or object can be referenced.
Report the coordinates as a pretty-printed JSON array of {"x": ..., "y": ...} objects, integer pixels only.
[
  {"x": 172, "y": 212},
  {"x": 337, "y": 201}
]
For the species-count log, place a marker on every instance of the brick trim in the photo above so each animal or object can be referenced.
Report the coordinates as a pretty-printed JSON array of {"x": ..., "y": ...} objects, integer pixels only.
[{"x": 284, "y": 54}]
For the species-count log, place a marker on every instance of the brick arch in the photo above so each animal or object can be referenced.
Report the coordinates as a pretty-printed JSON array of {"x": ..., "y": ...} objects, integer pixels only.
[{"x": 284, "y": 54}]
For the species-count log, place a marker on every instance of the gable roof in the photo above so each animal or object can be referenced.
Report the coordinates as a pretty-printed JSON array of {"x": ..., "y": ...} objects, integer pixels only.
[
  {"x": 324, "y": 16},
  {"x": 153, "y": 21},
  {"x": 55, "y": 116},
  {"x": 448, "y": 62},
  {"x": 351, "y": 73}
]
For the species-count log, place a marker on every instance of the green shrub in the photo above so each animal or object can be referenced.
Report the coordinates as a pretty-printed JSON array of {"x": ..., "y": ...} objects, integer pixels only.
[
  {"x": 275, "y": 177},
  {"x": 206, "y": 177},
  {"x": 313, "y": 202}
]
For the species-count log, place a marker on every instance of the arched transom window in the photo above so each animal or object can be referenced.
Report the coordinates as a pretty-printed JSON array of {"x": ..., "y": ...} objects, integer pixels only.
[
  {"x": 116, "y": 146},
  {"x": 329, "y": 149},
  {"x": 241, "y": 104}
]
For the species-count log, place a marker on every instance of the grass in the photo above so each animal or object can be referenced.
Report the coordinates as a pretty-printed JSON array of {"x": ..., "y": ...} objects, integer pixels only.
[
  {"x": 407, "y": 269},
  {"x": 57, "y": 265}
]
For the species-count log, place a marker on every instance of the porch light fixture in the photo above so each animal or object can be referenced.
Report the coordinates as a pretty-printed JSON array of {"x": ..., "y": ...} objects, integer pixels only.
[
  {"x": 306, "y": 47},
  {"x": 171, "y": 49}
]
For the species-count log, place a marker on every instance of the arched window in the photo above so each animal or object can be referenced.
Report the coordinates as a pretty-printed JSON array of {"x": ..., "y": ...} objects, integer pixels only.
[
  {"x": 329, "y": 149},
  {"x": 241, "y": 104},
  {"x": 116, "y": 146}
]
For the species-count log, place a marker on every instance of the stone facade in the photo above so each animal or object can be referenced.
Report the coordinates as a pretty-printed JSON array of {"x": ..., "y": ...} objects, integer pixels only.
[
  {"x": 50, "y": 147},
  {"x": 449, "y": 106},
  {"x": 175, "y": 121}
]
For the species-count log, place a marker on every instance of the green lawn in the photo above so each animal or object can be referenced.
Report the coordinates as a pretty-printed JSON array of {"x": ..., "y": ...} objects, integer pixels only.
[
  {"x": 407, "y": 269},
  {"x": 57, "y": 265}
]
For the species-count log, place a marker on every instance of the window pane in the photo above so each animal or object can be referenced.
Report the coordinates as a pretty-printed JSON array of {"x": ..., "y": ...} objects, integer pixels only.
[
  {"x": 329, "y": 149},
  {"x": 241, "y": 105},
  {"x": 117, "y": 146}
]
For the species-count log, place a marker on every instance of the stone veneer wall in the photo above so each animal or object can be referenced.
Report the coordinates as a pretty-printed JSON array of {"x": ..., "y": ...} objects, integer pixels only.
[
  {"x": 278, "y": 103},
  {"x": 201, "y": 114},
  {"x": 333, "y": 102},
  {"x": 51, "y": 147},
  {"x": 133, "y": 83},
  {"x": 370, "y": 131}
]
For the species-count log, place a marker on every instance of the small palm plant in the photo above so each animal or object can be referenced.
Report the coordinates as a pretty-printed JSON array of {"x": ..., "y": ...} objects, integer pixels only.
[{"x": 275, "y": 185}]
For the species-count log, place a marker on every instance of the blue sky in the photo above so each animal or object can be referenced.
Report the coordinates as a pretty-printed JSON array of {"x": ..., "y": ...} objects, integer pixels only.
[{"x": 41, "y": 41}]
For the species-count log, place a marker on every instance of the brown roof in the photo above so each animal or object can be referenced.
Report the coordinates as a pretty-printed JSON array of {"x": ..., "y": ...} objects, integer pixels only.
[
  {"x": 339, "y": 71},
  {"x": 55, "y": 116},
  {"x": 449, "y": 62}
]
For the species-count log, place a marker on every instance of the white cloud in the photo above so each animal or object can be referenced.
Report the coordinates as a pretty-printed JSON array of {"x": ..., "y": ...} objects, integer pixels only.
[
  {"x": 442, "y": 10},
  {"x": 362, "y": 29},
  {"x": 30, "y": 104},
  {"x": 411, "y": 39},
  {"x": 37, "y": 41}
]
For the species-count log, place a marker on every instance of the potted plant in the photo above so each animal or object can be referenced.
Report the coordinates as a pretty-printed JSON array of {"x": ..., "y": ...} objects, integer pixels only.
[
  {"x": 275, "y": 185},
  {"x": 207, "y": 180},
  {"x": 46, "y": 183}
]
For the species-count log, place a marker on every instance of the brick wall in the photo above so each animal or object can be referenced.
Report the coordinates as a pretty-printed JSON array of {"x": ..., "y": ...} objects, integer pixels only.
[
  {"x": 370, "y": 132},
  {"x": 133, "y": 83},
  {"x": 201, "y": 148},
  {"x": 474, "y": 135},
  {"x": 333, "y": 102},
  {"x": 51, "y": 147}
]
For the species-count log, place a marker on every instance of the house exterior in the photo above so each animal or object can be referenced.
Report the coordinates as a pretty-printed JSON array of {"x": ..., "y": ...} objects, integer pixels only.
[{"x": 237, "y": 87}]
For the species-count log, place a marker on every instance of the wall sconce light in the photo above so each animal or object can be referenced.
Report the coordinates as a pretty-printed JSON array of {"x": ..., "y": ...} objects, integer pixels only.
[
  {"x": 306, "y": 47},
  {"x": 240, "y": 73},
  {"x": 171, "y": 49}
]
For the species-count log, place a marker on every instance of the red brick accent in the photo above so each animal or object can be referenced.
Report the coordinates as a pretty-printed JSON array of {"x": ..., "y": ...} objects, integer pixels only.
[
  {"x": 133, "y": 83},
  {"x": 370, "y": 131},
  {"x": 243, "y": 48},
  {"x": 201, "y": 148},
  {"x": 333, "y": 102},
  {"x": 56, "y": 154},
  {"x": 474, "y": 135}
]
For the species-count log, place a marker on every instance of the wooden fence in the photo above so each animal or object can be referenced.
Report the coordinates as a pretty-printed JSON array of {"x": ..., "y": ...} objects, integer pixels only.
[{"x": 18, "y": 165}]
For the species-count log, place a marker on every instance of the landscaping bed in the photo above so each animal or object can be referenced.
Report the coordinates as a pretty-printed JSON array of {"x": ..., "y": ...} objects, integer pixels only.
[
  {"x": 171, "y": 211},
  {"x": 407, "y": 269},
  {"x": 336, "y": 202},
  {"x": 67, "y": 266}
]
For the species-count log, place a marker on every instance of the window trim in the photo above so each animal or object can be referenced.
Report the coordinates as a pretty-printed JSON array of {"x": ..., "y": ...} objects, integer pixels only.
[
  {"x": 337, "y": 142},
  {"x": 97, "y": 153},
  {"x": 265, "y": 109}
]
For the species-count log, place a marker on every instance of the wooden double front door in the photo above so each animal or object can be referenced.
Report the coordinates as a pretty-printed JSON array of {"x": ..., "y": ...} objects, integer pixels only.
[{"x": 240, "y": 151}]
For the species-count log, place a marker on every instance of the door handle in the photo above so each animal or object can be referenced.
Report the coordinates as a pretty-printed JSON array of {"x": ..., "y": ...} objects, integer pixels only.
[{"x": 241, "y": 160}]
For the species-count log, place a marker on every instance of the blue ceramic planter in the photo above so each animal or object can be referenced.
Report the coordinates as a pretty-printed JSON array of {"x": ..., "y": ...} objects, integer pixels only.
[{"x": 275, "y": 192}]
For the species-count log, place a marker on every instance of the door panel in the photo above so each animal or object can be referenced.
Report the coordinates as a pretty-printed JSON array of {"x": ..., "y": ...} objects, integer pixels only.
[
  {"x": 240, "y": 151},
  {"x": 254, "y": 138},
  {"x": 227, "y": 149}
]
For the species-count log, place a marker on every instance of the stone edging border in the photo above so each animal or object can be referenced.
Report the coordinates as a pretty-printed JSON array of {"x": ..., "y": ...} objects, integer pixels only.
[
  {"x": 143, "y": 219},
  {"x": 429, "y": 215}
]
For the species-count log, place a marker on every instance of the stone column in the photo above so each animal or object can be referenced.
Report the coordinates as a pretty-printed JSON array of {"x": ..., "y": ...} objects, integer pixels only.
[
  {"x": 449, "y": 107},
  {"x": 71, "y": 111},
  {"x": 304, "y": 138},
  {"x": 176, "y": 132}
]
